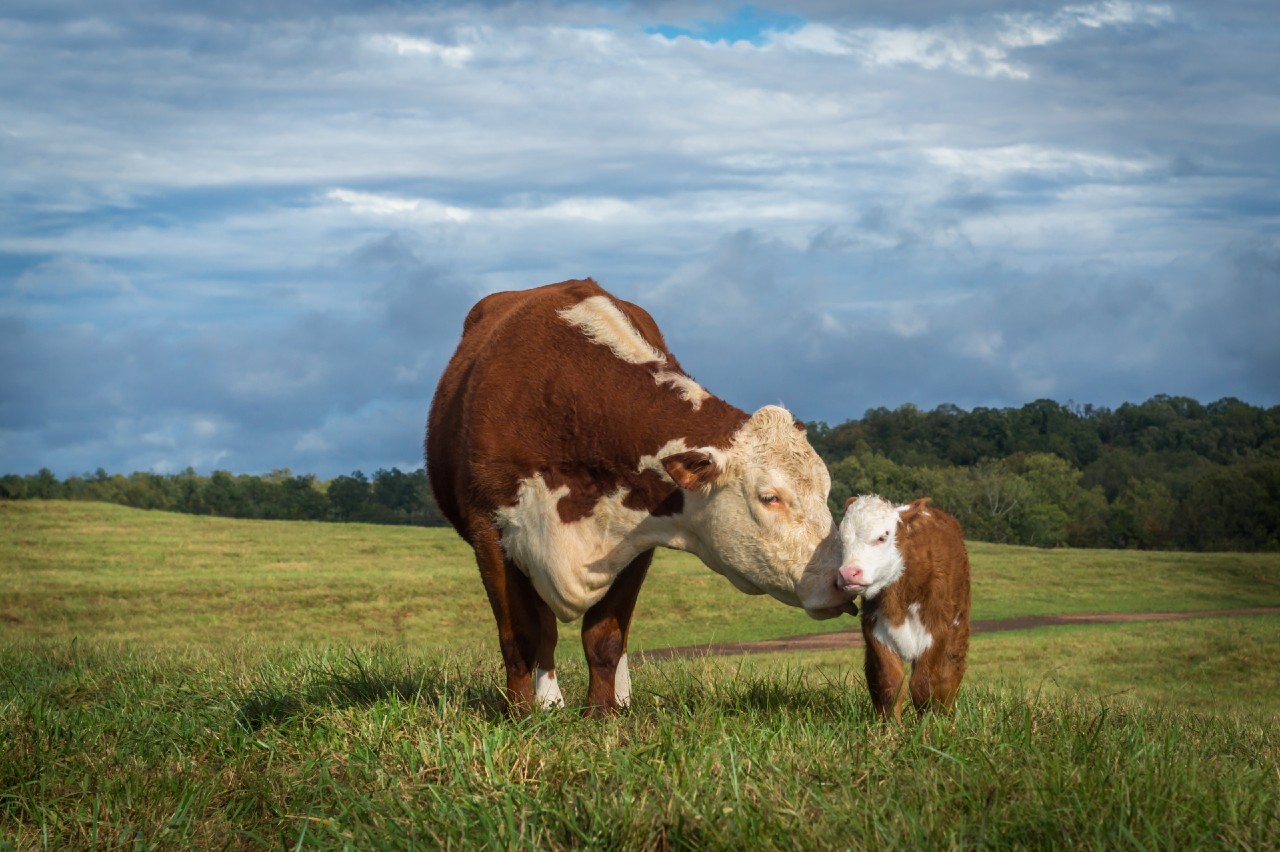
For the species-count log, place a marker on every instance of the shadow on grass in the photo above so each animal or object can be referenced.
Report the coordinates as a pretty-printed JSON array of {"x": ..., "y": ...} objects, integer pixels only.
[
  {"x": 356, "y": 682},
  {"x": 471, "y": 686},
  {"x": 695, "y": 687}
]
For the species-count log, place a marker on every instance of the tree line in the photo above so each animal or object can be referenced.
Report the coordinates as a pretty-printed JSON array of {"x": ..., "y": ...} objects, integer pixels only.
[
  {"x": 1164, "y": 474},
  {"x": 390, "y": 497},
  {"x": 1169, "y": 473}
]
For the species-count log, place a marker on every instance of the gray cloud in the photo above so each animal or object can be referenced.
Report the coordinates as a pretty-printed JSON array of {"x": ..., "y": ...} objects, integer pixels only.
[{"x": 247, "y": 237}]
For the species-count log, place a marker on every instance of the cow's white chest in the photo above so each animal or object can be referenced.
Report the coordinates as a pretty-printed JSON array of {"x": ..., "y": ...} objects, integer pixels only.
[
  {"x": 573, "y": 564},
  {"x": 909, "y": 639}
]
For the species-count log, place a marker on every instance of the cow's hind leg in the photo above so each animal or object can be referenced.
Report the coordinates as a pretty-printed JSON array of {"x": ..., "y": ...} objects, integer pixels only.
[
  {"x": 604, "y": 639},
  {"x": 526, "y": 629}
]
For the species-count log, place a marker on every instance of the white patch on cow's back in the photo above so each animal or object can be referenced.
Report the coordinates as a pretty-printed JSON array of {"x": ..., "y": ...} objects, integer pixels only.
[
  {"x": 572, "y": 565},
  {"x": 603, "y": 322},
  {"x": 622, "y": 682},
  {"x": 909, "y": 639},
  {"x": 687, "y": 389},
  {"x": 546, "y": 689}
]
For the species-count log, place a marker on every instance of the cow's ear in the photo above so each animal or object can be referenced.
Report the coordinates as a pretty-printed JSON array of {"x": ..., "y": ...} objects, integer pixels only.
[
  {"x": 915, "y": 507},
  {"x": 692, "y": 468},
  {"x": 850, "y": 501}
]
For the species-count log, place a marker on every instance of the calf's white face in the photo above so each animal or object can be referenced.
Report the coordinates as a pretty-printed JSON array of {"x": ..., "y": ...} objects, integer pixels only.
[
  {"x": 762, "y": 518},
  {"x": 868, "y": 541}
]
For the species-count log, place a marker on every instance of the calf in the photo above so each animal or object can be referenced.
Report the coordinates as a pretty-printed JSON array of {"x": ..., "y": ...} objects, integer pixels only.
[{"x": 910, "y": 565}]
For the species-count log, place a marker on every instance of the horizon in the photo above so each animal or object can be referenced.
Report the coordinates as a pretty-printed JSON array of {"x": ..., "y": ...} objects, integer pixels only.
[{"x": 1083, "y": 410}]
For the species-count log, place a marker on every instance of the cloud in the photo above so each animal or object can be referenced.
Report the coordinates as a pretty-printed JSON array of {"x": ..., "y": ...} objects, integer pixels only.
[
  {"x": 1099, "y": 335},
  {"x": 247, "y": 236},
  {"x": 984, "y": 49},
  {"x": 452, "y": 55},
  {"x": 70, "y": 276}
]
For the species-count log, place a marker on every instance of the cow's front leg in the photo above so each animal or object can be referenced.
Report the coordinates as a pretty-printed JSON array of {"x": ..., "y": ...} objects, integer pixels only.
[
  {"x": 546, "y": 688},
  {"x": 526, "y": 629},
  {"x": 605, "y": 628}
]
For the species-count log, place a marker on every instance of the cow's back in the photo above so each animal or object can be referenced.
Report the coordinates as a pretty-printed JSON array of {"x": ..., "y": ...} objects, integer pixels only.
[{"x": 525, "y": 391}]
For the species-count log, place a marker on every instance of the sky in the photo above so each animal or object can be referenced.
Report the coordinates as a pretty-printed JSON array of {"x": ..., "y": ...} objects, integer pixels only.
[{"x": 244, "y": 235}]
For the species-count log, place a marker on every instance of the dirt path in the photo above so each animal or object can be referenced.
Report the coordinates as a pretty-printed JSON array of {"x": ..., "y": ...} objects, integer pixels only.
[{"x": 853, "y": 638}]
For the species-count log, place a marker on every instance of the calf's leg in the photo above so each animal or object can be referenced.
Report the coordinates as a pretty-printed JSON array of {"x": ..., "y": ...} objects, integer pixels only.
[
  {"x": 936, "y": 676},
  {"x": 885, "y": 677},
  {"x": 605, "y": 628}
]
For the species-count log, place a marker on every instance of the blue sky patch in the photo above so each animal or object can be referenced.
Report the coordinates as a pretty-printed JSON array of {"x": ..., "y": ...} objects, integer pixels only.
[{"x": 748, "y": 24}]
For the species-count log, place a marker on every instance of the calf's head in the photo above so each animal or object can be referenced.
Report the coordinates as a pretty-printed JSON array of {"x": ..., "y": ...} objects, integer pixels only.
[
  {"x": 872, "y": 559},
  {"x": 758, "y": 510}
]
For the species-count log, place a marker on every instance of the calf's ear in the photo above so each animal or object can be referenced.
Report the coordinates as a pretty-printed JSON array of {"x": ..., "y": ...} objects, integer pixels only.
[
  {"x": 692, "y": 468},
  {"x": 912, "y": 509}
]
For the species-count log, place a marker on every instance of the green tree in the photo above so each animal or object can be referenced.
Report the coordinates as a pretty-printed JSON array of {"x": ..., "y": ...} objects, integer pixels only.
[
  {"x": 44, "y": 486},
  {"x": 1232, "y": 508},
  {"x": 349, "y": 496},
  {"x": 1142, "y": 516}
]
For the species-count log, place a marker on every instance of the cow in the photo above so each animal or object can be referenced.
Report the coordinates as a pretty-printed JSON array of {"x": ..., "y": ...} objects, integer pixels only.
[
  {"x": 565, "y": 442},
  {"x": 910, "y": 565}
]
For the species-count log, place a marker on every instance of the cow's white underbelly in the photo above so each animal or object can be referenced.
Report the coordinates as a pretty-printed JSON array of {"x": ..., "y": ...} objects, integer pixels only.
[
  {"x": 909, "y": 639},
  {"x": 573, "y": 564}
]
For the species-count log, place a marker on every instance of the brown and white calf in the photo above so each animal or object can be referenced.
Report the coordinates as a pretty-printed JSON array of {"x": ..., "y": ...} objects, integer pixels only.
[
  {"x": 565, "y": 442},
  {"x": 910, "y": 565}
]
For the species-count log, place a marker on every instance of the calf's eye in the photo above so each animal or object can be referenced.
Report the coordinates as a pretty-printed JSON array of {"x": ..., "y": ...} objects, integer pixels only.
[{"x": 769, "y": 498}]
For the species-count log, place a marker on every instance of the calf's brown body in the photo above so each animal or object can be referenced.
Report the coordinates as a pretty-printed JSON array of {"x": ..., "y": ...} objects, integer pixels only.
[{"x": 932, "y": 591}]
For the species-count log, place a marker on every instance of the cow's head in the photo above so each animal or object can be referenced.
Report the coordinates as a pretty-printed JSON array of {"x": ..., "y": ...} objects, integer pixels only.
[
  {"x": 757, "y": 513},
  {"x": 872, "y": 559}
]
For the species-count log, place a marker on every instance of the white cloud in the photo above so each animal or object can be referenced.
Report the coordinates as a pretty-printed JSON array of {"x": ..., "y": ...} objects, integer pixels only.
[
  {"x": 275, "y": 231},
  {"x": 981, "y": 49},
  {"x": 374, "y": 204},
  {"x": 453, "y": 55}
]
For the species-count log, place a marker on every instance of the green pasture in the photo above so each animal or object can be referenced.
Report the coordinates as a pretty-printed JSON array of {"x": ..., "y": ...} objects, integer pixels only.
[
  {"x": 170, "y": 681},
  {"x": 373, "y": 747},
  {"x": 1212, "y": 666},
  {"x": 101, "y": 572}
]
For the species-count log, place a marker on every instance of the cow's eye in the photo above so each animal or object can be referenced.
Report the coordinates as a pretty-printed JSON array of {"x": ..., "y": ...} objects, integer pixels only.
[
  {"x": 769, "y": 498},
  {"x": 882, "y": 539}
]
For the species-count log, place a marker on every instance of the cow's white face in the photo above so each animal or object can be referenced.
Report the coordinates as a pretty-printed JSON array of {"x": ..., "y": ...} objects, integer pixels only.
[
  {"x": 761, "y": 517},
  {"x": 868, "y": 541}
]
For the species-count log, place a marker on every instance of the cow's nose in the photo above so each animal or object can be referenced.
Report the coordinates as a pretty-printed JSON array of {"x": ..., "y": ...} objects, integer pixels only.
[{"x": 850, "y": 576}]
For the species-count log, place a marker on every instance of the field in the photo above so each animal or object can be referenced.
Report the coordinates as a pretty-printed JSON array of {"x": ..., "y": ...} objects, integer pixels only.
[{"x": 168, "y": 680}]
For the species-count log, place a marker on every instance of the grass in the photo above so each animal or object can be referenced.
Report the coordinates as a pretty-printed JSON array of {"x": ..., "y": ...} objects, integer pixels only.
[
  {"x": 375, "y": 748},
  {"x": 112, "y": 573},
  {"x": 1212, "y": 666},
  {"x": 107, "y": 572},
  {"x": 175, "y": 682}
]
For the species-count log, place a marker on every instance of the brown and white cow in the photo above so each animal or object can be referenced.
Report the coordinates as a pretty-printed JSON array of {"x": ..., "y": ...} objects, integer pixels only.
[
  {"x": 910, "y": 565},
  {"x": 565, "y": 443}
]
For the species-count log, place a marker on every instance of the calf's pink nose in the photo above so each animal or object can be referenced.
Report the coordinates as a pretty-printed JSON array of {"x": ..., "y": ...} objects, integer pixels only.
[{"x": 850, "y": 575}]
